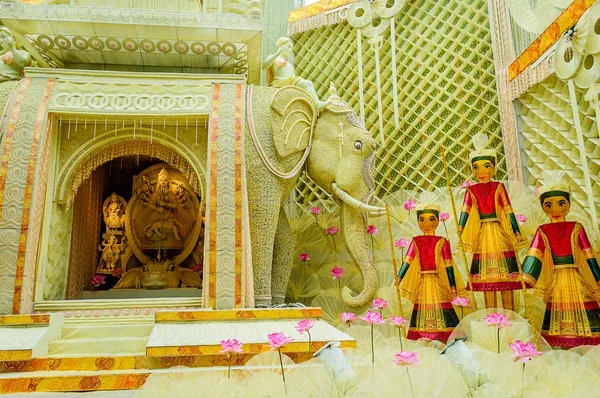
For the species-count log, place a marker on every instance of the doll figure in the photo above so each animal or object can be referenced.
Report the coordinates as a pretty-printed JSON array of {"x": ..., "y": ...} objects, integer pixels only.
[
  {"x": 428, "y": 277},
  {"x": 562, "y": 267},
  {"x": 490, "y": 231}
]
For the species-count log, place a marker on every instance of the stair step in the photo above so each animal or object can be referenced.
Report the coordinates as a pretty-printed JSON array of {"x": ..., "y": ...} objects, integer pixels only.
[
  {"x": 91, "y": 346},
  {"x": 106, "y": 331}
]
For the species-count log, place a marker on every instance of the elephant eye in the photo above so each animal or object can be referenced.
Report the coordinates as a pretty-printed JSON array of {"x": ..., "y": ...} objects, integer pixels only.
[
  {"x": 358, "y": 145},
  {"x": 144, "y": 268},
  {"x": 171, "y": 267}
]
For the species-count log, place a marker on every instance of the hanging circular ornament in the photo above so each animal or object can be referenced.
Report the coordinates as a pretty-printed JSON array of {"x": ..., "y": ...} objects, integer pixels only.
[
  {"x": 376, "y": 27},
  {"x": 387, "y": 8},
  {"x": 592, "y": 44},
  {"x": 359, "y": 14},
  {"x": 582, "y": 31},
  {"x": 566, "y": 58},
  {"x": 589, "y": 71}
]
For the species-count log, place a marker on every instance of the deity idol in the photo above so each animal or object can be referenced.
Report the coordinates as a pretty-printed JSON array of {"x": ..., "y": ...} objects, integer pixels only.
[
  {"x": 428, "y": 277},
  {"x": 165, "y": 205},
  {"x": 490, "y": 230},
  {"x": 280, "y": 71},
  {"x": 562, "y": 267}
]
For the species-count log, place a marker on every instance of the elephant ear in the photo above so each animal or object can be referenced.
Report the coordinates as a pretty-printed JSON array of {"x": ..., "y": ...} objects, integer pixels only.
[
  {"x": 293, "y": 117},
  {"x": 189, "y": 278},
  {"x": 127, "y": 281}
]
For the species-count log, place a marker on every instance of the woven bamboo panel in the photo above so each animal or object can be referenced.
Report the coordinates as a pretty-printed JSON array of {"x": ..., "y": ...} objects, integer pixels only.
[
  {"x": 550, "y": 140},
  {"x": 447, "y": 89}
]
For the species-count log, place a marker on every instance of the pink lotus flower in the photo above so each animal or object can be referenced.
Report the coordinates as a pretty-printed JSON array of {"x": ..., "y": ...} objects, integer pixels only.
[
  {"x": 332, "y": 230},
  {"x": 521, "y": 219},
  {"x": 498, "y": 320},
  {"x": 305, "y": 325},
  {"x": 379, "y": 304},
  {"x": 197, "y": 268},
  {"x": 373, "y": 318},
  {"x": 410, "y": 205},
  {"x": 117, "y": 272},
  {"x": 304, "y": 257},
  {"x": 337, "y": 272},
  {"x": 444, "y": 216},
  {"x": 523, "y": 351},
  {"x": 461, "y": 302},
  {"x": 277, "y": 340},
  {"x": 467, "y": 184},
  {"x": 348, "y": 317},
  {"x": 98, "y": 280},
  {"x": 401, "y": 243},
  {"x": 398, "y": 321},
  {"x": 372, "y": 230},
  {"x": 315, "y": 210},
  {"x": 231, "y": 345},
  {"x": 406, "y": 358}
]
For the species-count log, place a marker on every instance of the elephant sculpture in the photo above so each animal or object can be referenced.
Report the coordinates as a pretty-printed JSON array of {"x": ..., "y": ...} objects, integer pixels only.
[{"x": 288, "y": 133}]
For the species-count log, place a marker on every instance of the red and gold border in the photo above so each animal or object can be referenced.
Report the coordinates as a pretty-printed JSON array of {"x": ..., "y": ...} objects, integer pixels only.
[
  {"x": 40, "y": 122},
  {"x": 8, "y": 137},
  {"x": 239, "y": 114},
  {"x": 26, "y": 319},
  {"x": 212, "y": 246},
  {"x": 316, "y": 8},
  {"x": 256, "y": 348},
  {"x": 73, "y": 383},
  {"x": 551, "y": 35},
  {"x": 236, "y": 315}
]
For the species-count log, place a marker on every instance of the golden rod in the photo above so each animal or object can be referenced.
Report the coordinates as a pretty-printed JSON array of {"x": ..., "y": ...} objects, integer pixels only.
[{"x": 460, "y": 244}]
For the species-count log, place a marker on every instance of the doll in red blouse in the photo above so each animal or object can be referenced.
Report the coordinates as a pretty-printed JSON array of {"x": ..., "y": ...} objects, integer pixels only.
[
  {"x": 562, "y": 267},
  {"x": 490, "y": 231},
  {"x": 428, "y": 277}
]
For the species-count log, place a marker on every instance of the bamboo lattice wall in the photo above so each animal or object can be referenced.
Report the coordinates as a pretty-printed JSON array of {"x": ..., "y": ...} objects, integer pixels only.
[
  {"x": 549, "y": 138},
  {"x": 447, "y": 89}
]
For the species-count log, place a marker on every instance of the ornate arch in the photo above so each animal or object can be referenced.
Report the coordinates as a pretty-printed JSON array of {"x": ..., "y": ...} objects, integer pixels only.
[{"x": 108, "y": 146}]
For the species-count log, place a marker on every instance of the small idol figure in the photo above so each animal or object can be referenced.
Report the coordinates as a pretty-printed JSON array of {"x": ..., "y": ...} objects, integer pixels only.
[
  {"x": 490, "y": 230},
  {"x": 428, "y": 277},
  {"x": 562, "y": 267}
]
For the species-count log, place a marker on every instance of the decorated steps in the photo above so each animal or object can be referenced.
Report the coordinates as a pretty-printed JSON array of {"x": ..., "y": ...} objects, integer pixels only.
[
  {"x": 120, "y": 345},
  {"x": 93, "y": 356},
  {"x": 104, "y": 331}
]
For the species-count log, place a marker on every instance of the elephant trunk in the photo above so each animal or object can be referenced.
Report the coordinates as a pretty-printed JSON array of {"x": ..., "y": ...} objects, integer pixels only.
[{"x": 353, "y": 232}]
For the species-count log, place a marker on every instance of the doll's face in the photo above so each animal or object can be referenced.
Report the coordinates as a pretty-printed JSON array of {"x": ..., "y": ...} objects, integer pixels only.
[
  {"x": 428, "y": 222},
  {"x": 556, "y": 208},
  {"x": 483, "y": 170}
]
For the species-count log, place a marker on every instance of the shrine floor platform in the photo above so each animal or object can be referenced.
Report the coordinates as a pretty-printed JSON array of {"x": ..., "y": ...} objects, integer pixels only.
[{"x": 88, "y": 353}]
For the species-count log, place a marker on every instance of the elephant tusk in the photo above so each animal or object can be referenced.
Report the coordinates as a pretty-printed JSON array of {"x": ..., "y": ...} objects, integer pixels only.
[
  {"x": 377, "y": 213},
  {"x": 355, "y": 203}
]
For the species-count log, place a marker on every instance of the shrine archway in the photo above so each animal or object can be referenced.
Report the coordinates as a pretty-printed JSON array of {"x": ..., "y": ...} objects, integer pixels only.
[{"x": 124, "y": 142}]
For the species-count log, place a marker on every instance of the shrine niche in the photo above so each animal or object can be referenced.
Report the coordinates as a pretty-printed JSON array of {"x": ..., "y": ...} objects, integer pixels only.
[{"x": 152, "y": 241}]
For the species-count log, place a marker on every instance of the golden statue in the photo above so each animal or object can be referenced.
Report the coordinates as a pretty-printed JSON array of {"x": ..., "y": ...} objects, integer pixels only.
[
  {"x": 111, "y": 250},
  {"x": 166, "y": 218},
  {"x": 113, "y": 213},
  {"x": 163, "y": 223}
]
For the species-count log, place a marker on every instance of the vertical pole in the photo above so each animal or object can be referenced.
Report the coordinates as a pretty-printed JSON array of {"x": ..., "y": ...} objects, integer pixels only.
[
  {"x": 394, "y": 72},
  {"x": 361, "y": 83}
]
